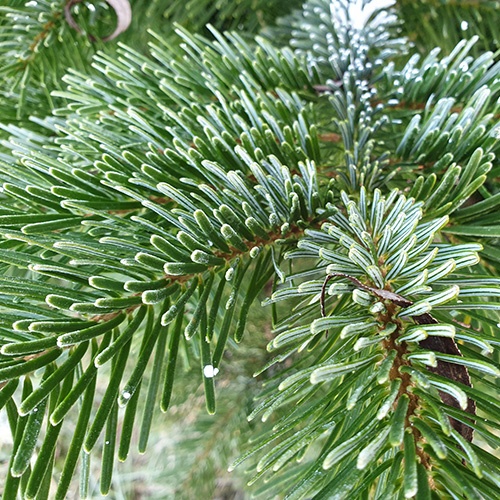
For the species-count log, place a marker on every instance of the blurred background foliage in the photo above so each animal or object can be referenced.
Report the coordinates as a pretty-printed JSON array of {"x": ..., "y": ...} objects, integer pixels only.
[{"x": 188, "y": 451}]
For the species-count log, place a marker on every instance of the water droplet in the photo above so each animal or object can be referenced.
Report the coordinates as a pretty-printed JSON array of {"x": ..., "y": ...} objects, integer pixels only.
[{"x": 209, "y": 371}]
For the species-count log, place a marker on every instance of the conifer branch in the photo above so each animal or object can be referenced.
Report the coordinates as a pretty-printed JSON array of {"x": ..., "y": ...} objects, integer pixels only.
[{"x": 155, "y": 193}]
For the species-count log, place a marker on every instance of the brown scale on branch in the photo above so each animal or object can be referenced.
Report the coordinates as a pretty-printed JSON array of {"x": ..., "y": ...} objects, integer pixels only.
[
  {"x": 41, "y": 36},
  {"x": 450, "y": 371},
  {"x": 419, "y": 106},
  {"x": 294, "y": 233},
  {"x": 328, "y": 88},
  {"x": 330, "y": 137},
  {"x": 445, "y": 345}
]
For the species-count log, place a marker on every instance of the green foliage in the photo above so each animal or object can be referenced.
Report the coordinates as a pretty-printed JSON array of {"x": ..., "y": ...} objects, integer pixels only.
[
  {"x": 36, "y": 50},
  {"x": 149, "y": 197},
  {"x": 443, "y": 23}
]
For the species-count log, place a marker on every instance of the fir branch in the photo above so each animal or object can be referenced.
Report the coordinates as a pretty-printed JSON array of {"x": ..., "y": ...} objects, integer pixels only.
[{"x": 143, "y": 218}]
